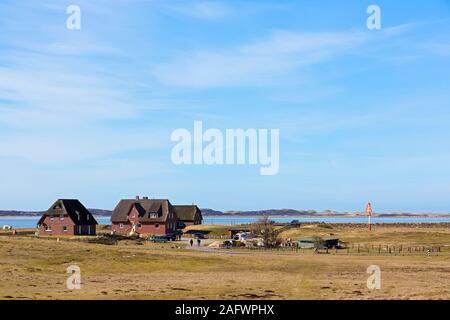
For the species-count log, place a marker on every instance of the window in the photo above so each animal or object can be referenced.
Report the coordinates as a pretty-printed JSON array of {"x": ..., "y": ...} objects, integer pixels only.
[
  {"x": 78, "y": 215},
  {"x": 64, "y": 228},
  {"x": 51, "y": 218},
  {"x": 120, "y": 225},
  {"x": 133, "y": 216},
  {"x": 61, "y": 217},
  {"x": 87, "y": 217},
  {"x": 47, "y": 227},
  {"x": 139, "y": 225},
  {"x": 89, "y": 229},
  {"x": 157, "y": 226}
]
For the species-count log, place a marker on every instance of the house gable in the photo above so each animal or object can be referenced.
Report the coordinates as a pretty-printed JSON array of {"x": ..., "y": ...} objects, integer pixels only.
[{"x": 69, "y": 209}]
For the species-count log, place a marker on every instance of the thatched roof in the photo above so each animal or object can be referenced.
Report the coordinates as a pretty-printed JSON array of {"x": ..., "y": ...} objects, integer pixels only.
[
  {"x": 187, "y": 212},
  {"x": 70, "y": 208},
  {"x": 150, "y": 210}
]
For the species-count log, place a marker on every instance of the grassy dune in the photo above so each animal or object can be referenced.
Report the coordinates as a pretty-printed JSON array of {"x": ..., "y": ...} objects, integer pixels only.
[{"x": 35, "y": 268}]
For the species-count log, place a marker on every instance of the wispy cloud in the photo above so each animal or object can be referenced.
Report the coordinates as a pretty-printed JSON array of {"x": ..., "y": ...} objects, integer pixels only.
[{"x": 262, "y": 61}]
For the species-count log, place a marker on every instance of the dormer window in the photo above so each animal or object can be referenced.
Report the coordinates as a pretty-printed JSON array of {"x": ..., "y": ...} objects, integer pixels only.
[
  {"x": 61, "y": 217},
  {"x": 78, "y": 215},
  {"x": 51, "y": 218}
]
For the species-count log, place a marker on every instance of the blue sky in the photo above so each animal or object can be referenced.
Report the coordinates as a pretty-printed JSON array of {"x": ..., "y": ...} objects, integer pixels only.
[{"x": 363, "y": 114}]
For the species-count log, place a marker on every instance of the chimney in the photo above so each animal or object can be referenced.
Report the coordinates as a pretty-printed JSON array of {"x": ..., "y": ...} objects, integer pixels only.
[{"x": 137, "y": 197}]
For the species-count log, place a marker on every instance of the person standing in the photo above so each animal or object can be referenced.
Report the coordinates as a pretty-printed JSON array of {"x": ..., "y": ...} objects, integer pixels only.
[
  {"x": 198, "y": 241},
  {"x": 192, "y": 242}
]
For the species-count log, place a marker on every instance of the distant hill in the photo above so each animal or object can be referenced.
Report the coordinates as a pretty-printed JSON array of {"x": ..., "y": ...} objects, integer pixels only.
[{"x": 270, "y": 212}]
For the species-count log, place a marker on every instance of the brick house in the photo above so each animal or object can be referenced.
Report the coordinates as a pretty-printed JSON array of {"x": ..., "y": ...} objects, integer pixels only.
[
  {"x": 144, "y": 216},
  {"x": 188, "y": 214},
  {"x": 67, "y": 217}
]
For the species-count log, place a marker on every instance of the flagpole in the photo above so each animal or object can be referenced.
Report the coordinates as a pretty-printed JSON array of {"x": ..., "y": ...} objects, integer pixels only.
[{"x": 369, "y": 214}]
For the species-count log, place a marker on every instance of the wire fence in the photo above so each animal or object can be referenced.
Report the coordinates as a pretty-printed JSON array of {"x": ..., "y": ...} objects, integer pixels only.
[{"x": 353, "y": 249}]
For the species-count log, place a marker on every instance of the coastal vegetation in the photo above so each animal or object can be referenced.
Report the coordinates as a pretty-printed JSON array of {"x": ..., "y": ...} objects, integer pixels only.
[{"x": 35, "y": 267}]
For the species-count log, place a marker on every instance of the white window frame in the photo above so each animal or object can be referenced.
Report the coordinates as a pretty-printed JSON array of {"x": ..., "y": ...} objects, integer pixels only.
[
  {"x": 156, "y": 225},
  {"x": 48, "y": 228},
  {"x": 120, "y": 225},
  {"x": 65, "y": 229}
]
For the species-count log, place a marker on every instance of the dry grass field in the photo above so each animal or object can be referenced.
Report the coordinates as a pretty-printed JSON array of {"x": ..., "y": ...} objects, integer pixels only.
[{"x": 35, "y": 268}]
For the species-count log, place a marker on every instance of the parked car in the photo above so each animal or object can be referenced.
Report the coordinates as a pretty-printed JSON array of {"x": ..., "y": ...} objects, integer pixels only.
[
  {"x": 159, "y": 239},
  {"x": 199, "y": 236},
  {"x": 171, "y": 236}
]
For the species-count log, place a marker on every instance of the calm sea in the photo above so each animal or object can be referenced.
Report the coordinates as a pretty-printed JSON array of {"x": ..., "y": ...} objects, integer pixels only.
[{"x": 30, "y": 222}]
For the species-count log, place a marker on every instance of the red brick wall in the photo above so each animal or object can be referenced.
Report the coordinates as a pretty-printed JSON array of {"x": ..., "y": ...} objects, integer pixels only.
[
  {"x": 57, "y": 225},
  {"x": 146, "y": 228}
]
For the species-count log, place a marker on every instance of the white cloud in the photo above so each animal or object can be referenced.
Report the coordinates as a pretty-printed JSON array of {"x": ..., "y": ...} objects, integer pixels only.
[{"x": 259, "y": 62}]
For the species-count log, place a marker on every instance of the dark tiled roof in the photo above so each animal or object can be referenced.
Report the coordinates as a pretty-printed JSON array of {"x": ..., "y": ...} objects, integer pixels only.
[
  {"x": 71, "y": 208},
  {"x": 150, "y": 210},
  {"x": 186, "y": 212}
]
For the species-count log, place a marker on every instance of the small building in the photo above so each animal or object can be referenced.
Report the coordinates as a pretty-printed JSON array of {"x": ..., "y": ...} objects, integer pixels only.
[
  {"x": 188, "y": 215},
  {"x": 234, "y": 232},
  {"x": 67, "y": 217},
  {"x": 319, "y": 243},
  {"x": 144, "y": 216}
]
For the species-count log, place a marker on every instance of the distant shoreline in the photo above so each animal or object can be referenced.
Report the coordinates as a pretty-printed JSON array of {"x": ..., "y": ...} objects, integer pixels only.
[{"x": 216, "y": 214}]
